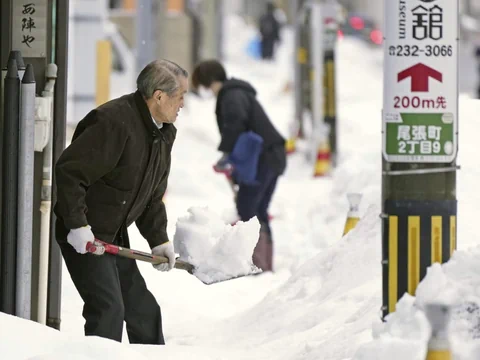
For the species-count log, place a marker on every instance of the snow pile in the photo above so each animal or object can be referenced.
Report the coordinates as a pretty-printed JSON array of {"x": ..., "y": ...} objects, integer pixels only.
[
  {"x": 22, "y": 339},
  {"x": 405, "y": 333},
  {"x": 304, "y": 312},
  {"x": 218, "y": 251}
]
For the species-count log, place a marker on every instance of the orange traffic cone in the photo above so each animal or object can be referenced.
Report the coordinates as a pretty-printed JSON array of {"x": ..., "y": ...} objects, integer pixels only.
[{"x": 323, "y": 161}]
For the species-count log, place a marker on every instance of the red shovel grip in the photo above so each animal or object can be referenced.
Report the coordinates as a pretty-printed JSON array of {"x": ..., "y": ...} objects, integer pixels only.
[{"x": 133, "y": 254}]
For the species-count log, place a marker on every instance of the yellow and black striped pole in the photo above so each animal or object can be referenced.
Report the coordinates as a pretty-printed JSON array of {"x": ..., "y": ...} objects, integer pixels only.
[
  {"x": 301, "y": 73},
  {"x": 330, "y": 99},
  {"x": 420, "y": 143},
  {"x": 416, "y": 234}
]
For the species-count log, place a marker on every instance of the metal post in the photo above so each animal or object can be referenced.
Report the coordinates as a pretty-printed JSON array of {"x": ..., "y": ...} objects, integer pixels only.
[
  {"x": 5, "y": 47},
  {"x": 9, "y": 187},
  {"x": 297, "y": 78},
  {"x": 304, "y": 57},
  {"x": 317, "y": 51},
  {"x": 59, "y": 129},
  {"x": 46, "y": 203},
  {"x": 420, "y": 141},
  {"x": 145, "y": 34},
  {"x": 15, "y": 54},
  {"x": 25, "y": 194},
  {"x": 320, "y": 149},
  {"x": 330, "y": 107}
]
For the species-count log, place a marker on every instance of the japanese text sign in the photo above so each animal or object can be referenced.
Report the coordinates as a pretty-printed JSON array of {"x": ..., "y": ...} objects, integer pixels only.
[
  {"x": 420, "y": 81},
  {"x": 29, "y": 27}
]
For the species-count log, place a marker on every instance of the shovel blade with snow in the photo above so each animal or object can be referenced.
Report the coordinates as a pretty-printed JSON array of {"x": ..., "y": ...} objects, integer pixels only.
[{"x": 155, "y": 259}]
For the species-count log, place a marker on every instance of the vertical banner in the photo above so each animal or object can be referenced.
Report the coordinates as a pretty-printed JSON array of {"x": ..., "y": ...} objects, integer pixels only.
[
  {"x": 420, "y": 114},
  {"x": 29, "y": 27}
]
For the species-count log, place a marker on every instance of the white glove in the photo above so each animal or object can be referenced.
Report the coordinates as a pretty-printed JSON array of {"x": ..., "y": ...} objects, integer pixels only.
[
  {"x": 79, "y": 238},
  {"x": 165, "y": 250}
]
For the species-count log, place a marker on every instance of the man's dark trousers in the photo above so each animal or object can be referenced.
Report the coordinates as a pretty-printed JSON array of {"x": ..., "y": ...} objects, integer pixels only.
[{"x": 113, "y": 290}]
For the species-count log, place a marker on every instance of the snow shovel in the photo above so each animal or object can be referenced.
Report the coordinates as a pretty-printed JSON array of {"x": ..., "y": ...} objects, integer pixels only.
[{"x": 154, "y": 259}]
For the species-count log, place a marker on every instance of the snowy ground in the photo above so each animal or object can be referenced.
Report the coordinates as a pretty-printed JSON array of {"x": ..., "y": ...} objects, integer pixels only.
[{"x": 324, "y": 299}]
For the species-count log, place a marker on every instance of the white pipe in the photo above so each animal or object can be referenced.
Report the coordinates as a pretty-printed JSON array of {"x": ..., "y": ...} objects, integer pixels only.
[
  {"x": 25, "y": 195},
  {"x": 46, "y": 202}
]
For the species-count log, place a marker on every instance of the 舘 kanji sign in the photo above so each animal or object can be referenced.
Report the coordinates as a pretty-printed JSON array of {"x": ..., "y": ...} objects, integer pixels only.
[{"x": 420, "y": 81}]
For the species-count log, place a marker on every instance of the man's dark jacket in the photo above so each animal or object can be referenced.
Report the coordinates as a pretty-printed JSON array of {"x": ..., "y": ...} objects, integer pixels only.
[
  {"x": 238, "y": 110},
  {"x": 115, "y": 173}
]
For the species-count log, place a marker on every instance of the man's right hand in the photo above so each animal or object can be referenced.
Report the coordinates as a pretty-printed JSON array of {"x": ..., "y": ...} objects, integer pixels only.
[
  {"x": 79, "y": 238},
  {"x": 223, "y": 165}
]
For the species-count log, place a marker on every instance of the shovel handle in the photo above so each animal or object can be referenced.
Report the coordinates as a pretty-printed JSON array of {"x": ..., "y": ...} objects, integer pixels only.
[{"x": 137, "y": 255}]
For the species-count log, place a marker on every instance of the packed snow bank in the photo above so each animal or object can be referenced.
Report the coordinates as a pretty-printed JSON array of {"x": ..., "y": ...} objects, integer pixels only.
[
  {"x": 23, "y": 339},
  {"x": 405, "y": 333},
  {"x": 218, "y": 251},
  {"x": 303, "y": 312}
]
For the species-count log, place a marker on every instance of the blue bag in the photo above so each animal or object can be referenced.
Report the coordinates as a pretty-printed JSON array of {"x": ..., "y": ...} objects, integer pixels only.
[
  {"x": 244, "y": 157},
  {"x": 254, "y": 48}
]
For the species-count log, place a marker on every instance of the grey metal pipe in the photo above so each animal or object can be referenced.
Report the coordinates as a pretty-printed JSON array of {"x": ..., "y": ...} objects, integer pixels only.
[
  {"x": 14, "y": 54},
  {"x": 25, "y": 194},
  {"x": 17, "y": 55},
  {"x": 46, "y": 204},
  {"x": 9, "y": 188}
]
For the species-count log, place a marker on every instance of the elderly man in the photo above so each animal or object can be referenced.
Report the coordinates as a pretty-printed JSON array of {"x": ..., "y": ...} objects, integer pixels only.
[{"x": 113, "y": 174}]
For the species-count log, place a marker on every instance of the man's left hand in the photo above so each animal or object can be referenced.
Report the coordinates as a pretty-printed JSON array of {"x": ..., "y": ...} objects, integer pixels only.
[{"x": 165, "y": 250}]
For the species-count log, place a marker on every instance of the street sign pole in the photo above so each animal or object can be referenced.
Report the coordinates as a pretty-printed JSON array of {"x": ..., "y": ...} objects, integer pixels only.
[{"x": 420, "y": 142}]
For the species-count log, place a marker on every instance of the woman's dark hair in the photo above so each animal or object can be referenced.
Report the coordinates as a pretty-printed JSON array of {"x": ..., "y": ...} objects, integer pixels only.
[{"x": 206, "y": 72}]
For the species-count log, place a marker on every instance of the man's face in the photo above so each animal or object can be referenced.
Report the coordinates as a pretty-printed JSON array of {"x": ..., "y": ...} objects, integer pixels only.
[{"x": 169, "y": 106}]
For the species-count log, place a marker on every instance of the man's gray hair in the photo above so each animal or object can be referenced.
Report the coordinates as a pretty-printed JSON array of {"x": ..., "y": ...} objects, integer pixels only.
[{"x": 160, "y": 75}]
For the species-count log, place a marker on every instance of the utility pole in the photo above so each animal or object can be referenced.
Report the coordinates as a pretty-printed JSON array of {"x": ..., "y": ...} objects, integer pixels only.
[
  {"x": 330, "y": 11},
  {"x": 295, "y": 127},
  {"x": 319, "y": 129},
  {"x": 420, "y": 142}
]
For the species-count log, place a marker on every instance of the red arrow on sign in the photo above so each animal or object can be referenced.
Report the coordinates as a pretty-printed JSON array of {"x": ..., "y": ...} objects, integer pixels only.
[{"x": 419, "y": 74}]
